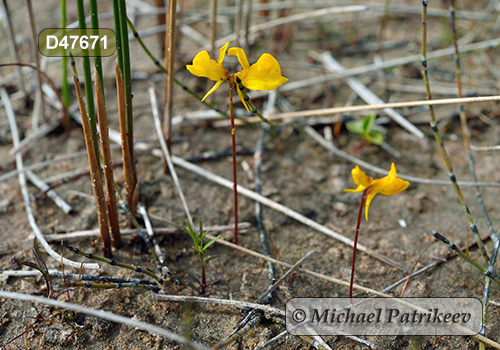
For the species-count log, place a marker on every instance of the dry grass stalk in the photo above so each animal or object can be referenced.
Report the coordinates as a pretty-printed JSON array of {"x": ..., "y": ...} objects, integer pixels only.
[
  {"x": 130, "y": 184},
  {"x": 40, "y": 111},
  {"x": 95, "y": 175},
  {"x": 169, "y": 66},
  {"x": 102, "y": 121}
]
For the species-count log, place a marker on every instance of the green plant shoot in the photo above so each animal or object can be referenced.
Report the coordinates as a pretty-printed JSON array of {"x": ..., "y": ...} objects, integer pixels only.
[
  {"x": 200, "y": 249},
  {"x": 364, "y": 127}
]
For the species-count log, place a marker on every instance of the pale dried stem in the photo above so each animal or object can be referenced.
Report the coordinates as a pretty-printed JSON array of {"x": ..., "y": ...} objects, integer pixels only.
[
  {"x": 239, "y": 304},
  {"x": 102, "y": 120},
  {"x": 42, "y": 186},
  {"x": 335, "y": 110},
  {"x": 95, "y": 175},
  {"x": 89, "y": 234}
]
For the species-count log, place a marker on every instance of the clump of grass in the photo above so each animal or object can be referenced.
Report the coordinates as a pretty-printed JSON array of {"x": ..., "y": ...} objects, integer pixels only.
[{"x": 201, "y": 248}]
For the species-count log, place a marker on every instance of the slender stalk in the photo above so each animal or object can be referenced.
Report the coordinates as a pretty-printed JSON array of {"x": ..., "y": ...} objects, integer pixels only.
[
  {"x": 233, "y": 143},
  {"x": 123, "y": 53},
  {"x": 118, "y": 32},
  {"x": 438, "y": 139},
  {"x": 95, "y": 175},
  {"x": 492, "y": 274},
  {"x": 169, "y": 78},
  {"x": 463, "y": 121},
  {"x": 203, "y": 274},
  {"x": 94, "y": 24},
  {"x": 353, "y": 266},
  {"x": 466, "y": 137},
  {"x": 64, "y": 70},
  {"x": 127, "y": 160},
  {"x": 102, "y": 117},
  {"x": 89, "y": 93},
  {"x": 40, "y": 111},
  {"x": 114, "y": 263},
  {"x": 122, "y": 7}
]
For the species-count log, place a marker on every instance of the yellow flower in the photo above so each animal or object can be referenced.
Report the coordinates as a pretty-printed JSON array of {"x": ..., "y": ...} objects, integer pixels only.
[
  {"x": 204, "y": 66},
  {"x": 387, "y": 186},
  {"x": 265, "y": 74}
]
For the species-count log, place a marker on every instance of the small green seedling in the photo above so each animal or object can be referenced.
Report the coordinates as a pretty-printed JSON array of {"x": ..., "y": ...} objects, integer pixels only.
[
  {"x": 364, "y": 127},
  {"x": 200, "y": 249}
]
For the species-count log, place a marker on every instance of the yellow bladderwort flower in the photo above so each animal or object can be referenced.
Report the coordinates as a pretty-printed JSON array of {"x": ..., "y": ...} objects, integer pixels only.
[
  {"x": 204, "y": 66},
  {"x": 265, "y": 74},
  {"x": 387, "y": 186}
]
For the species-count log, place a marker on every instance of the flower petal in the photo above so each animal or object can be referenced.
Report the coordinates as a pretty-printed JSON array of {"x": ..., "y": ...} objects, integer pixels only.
[
  {"x": 242, "y": 56},
  {"x": 204, "y": 66},
  {"x": 240, "y": 94},
  {"x": 390, "y": 184},
  {"x": 222, "y": 53},
  {"x": 369, "y": 198},
  {"x": 361, "y": 179},
  {"x": 265, "y": 74},
  {"x": 215, "y": 87}
]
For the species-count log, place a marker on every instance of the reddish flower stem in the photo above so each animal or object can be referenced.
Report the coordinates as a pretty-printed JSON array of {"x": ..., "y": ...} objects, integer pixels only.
[
  {"x": 231, "y": 114},
  {"x": 356, "y": 241}
]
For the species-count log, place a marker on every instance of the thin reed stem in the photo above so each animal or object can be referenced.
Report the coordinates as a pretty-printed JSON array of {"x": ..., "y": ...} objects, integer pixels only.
[
  {"x": 125, "y": 141},
  {"x": 353, "y": 266},
  {"x": 438, "y": 139},
  {"x": 123, "y": 54},
  {"x": 114, "y": 263},
  {"x": 463, "y": 121},
  {"x": 233, "y": 144},
  {"x": 95, "y": 175},
  {"x": 466, "y": 137},
  {"x": 65, "y": 93},
  {"x": 89, "y": 93},
  {"x": 102, "y": 118},
  {"x": 169, "y": 78},
  {"x": 94, "y": 24}
]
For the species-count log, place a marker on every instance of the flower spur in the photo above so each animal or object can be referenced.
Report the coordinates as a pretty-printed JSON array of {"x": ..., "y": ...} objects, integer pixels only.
[{"x": 387, "y": 186}]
